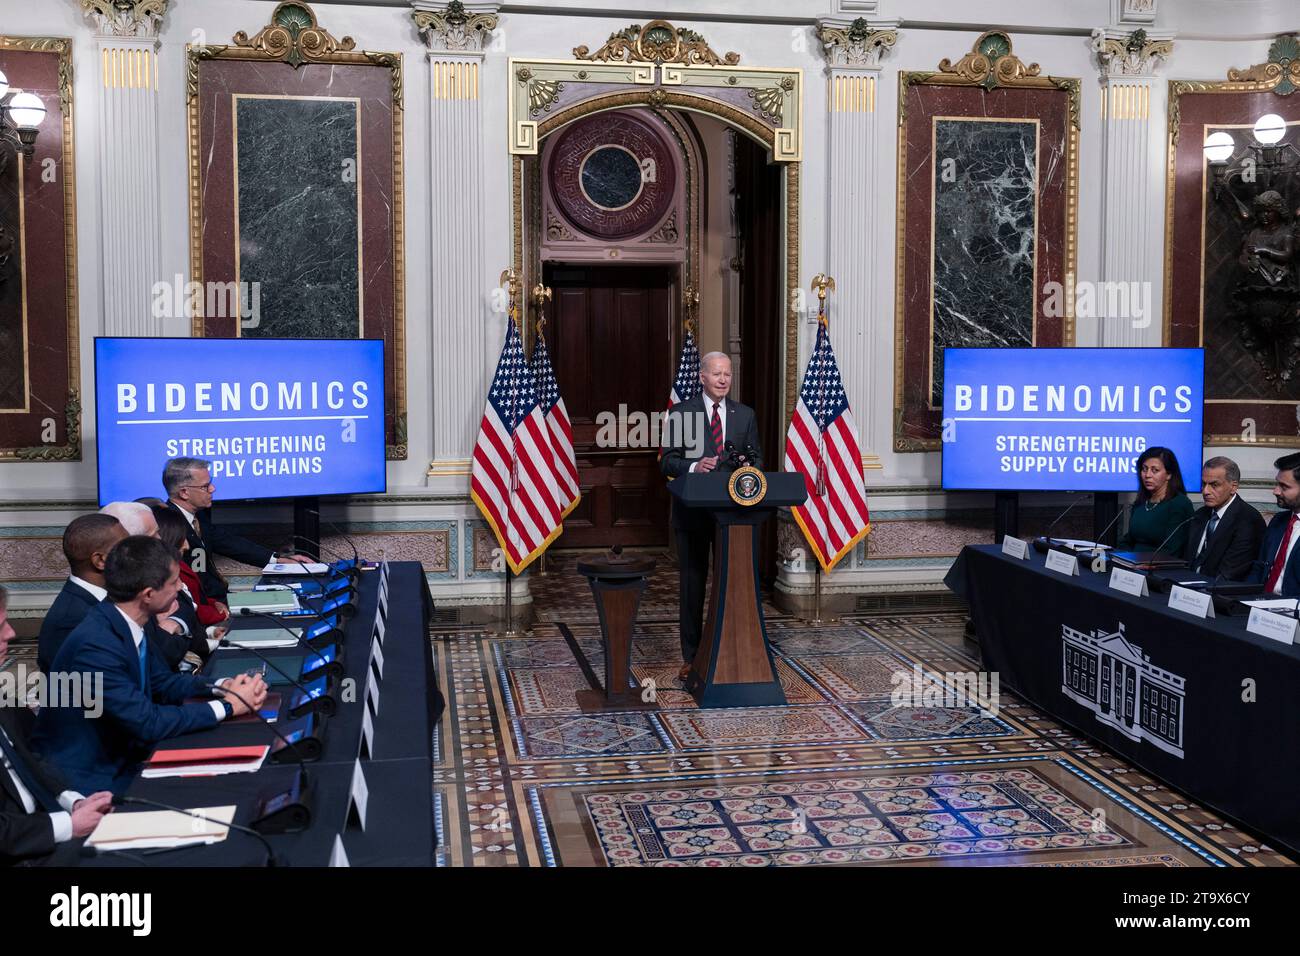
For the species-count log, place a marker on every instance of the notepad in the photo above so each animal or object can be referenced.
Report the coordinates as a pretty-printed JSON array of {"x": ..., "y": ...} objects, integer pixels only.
[
  {"x": 294, "y": 567},
  {"x": 161, "y": 829},
  {"x": 204, "y": 761},
  {"x": 271, "y": 637},
  {"x": 266, "y": 601}
]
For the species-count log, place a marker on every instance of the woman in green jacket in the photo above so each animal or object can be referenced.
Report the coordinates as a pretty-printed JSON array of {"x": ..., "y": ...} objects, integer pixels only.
[{"x": 1162, "y": 506}]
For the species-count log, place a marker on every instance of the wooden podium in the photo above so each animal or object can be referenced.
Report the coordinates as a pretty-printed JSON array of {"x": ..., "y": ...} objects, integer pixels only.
[{"x": 734, "y": 666}]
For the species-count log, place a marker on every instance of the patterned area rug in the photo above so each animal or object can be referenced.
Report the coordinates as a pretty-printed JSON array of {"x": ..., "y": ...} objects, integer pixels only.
[{"x": 846, "y": 773}]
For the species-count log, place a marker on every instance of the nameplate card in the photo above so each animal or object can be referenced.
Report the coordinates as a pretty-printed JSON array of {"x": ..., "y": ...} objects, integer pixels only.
[
  {"x": 359, "y": 795},
  {"x": 380, "y": 627},
  {"x": 1129, "y": 582},
  {"x": 338, "y": 855},
  {"x": 1279, "y": 627},
  {"x": 1062, "y": 562},
  {"x": 383, "y": 603},
  {"x": 377, "y": 657},
  {"x": 1016, "y": 548},
  {"x": 367, "y": 732},
  {"x": 372, "y": 696},
  {"x": 1195, "y": 603}
]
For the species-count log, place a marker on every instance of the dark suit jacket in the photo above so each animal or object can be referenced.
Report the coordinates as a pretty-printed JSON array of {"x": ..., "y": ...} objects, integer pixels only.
[
  {"x": 212, "y": 540},
  {"x": 24, "y": 837},
  {"x": 104, "y": 753},
  {"x": 1268, "y": 551},
  {"x": 741, "y": 432},
  {"x": 69, "y": 608},
  {"x": 1232, "y": 549}
]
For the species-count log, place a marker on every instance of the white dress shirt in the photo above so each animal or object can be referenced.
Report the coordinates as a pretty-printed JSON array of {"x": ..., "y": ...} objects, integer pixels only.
[
  {"x": 137, "y": 634},
  {"x": 62, "y": 822},
  {"x": 1220, "y": 511},
  {"x": 94, "y": 590},
  {"x": 1295, "y": 535},
  {"x": 708, "y": 418}
]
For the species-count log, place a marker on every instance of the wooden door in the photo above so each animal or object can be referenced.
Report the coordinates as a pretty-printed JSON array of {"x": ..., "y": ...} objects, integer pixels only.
[{"x": 611, "y": 340}]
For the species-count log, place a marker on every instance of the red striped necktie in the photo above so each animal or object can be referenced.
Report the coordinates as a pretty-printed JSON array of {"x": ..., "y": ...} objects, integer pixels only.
[
  {"x": 1279, "y": 562},
  {"x": 716, "y": 424}
]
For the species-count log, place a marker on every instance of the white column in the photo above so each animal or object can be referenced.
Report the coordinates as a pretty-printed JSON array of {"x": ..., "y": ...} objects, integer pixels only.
[
  {"x": 129, "y": 183},
  {"x": 1133, "y": 165},
  {"x": 854, "y": 256},
  {"x": 459, "y": 300}
]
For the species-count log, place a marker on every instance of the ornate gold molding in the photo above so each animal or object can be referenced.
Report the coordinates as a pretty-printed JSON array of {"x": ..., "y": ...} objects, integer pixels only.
[
  {"x": 1281, "y": 73},
  {"x": 126, "y": 18},
  {"x": 294, "y": 36},
  {"x": 991, "y": 63},
  {"x": 858, "y": 44},
  {"x": 71, "y": 449},
  {"x": 1134, "y": 55},
  {"x": 454, "y": 28},
  {"x": 657, "y": 42}
]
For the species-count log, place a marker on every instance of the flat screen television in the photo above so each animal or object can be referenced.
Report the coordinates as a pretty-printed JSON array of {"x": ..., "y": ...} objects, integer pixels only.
[
  {"x": 278, "y": 418},
  {"x": 1067, "y": 419}
]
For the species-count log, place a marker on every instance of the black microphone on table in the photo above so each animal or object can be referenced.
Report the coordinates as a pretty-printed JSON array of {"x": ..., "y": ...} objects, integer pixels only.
[
  {"x": 324, "y": 703},
  {"x": 356, "y": 555},
  {"x": 119, "y": 801},
  {"x": 348, "y": 572},
  {"x": 1180, "y": 527},
  {"x": 280, "y": 810},
  {"x": 1043, "y": 543}
]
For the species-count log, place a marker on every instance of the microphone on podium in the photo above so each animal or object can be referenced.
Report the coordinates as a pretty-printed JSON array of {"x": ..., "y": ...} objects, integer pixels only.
[{"x": 1044, "y": 542}]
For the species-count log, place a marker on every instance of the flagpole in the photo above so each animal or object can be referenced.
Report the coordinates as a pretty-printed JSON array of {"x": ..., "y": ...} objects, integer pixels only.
[
  {"x": 541, "y": 293},
  {"x": 510, "y": 279},
  {"x": 820, "y": 283}
]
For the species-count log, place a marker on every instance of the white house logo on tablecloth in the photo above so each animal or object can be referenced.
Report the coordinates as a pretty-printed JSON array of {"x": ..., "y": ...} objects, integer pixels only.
[{"x": 1117, "y": 682}]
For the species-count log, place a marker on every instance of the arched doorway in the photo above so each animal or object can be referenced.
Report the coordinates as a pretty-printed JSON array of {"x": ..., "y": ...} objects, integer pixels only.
[{"x": 618, "y": 301}]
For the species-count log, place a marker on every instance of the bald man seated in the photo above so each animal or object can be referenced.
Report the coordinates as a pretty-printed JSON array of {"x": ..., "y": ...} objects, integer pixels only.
[{"x": 86, "y": 543}]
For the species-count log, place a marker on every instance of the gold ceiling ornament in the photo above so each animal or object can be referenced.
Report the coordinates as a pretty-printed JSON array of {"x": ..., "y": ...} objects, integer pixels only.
[
  {"x": 126, "y": 18},
  {"x": 1281, "y": 73},
  {"x": 657, "y": 42},
  {"x": 294, "y": 36},
  {"x": 454, "y": 28},
  {"x": 991, "y": 63}
]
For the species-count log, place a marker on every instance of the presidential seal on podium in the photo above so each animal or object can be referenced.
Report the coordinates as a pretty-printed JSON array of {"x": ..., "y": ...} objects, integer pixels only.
[{"x": 748, "y": 485}]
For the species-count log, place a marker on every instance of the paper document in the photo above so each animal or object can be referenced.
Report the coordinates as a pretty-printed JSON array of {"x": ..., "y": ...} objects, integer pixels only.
[
  {"x": 161, "y": 828},
  {"x": 294, "y": 567}
]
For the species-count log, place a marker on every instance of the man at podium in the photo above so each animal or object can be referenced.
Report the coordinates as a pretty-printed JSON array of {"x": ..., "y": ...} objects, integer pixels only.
[{"x": 704, "y": 433}]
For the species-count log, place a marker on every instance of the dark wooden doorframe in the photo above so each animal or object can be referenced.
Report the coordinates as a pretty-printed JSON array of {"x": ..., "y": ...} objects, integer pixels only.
[
  {"x": 611, "y": 340},
  {"x": 762, "y": 313}
]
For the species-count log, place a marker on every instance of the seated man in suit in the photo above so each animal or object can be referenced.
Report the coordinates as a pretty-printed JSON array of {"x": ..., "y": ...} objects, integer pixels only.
[
  {"x": 1226, "y": 531},
  {"x": 143, "y": 702},
  {"x": 188, "y": 482},
  {"x": 714, "y": 421},
  {"x": 86, "y": 543},
  {"x": 1277, "y": 567},
  {"x": 38, "y": 815}
]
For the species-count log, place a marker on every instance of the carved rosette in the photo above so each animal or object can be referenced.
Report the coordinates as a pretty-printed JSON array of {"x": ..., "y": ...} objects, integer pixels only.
[
  {"x": 454, "y": 28},
  {"x": 294, "y": 36},
  {"x": 858, "y": 44},
  {"x": 657, "y": 42},
  {"x": 1281, "y": 72},
  {"x": 126, "y": 18},
  {"x": 1135, "y": 55},
  {"x": 990, "y": 63}
]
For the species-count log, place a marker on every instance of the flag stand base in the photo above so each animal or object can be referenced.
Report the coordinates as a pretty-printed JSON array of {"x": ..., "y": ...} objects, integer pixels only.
[
  {"x": 508, "y": 627},
  {"x": 817, "y": 620}
]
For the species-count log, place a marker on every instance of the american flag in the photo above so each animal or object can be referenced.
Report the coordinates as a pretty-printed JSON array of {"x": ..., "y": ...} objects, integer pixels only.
[
  {"x": 513, "y": 481},
  {"x": 822, "y": 445},
  {"x": 687, "y": 384},
  {"x": 557, "y": 425}
]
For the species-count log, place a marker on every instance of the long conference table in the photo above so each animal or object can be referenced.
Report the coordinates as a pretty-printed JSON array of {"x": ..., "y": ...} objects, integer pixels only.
[
  {"x": 1202, "y": 704},
  {"x": 399, "y": 825}
]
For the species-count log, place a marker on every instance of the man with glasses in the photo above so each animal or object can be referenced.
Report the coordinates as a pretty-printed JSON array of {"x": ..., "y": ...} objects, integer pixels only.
[{"x": 189, "y": 487}]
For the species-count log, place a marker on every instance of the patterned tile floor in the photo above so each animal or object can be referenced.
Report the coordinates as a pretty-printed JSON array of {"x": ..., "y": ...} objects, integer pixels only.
[{"x": 840, "y": 775}]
